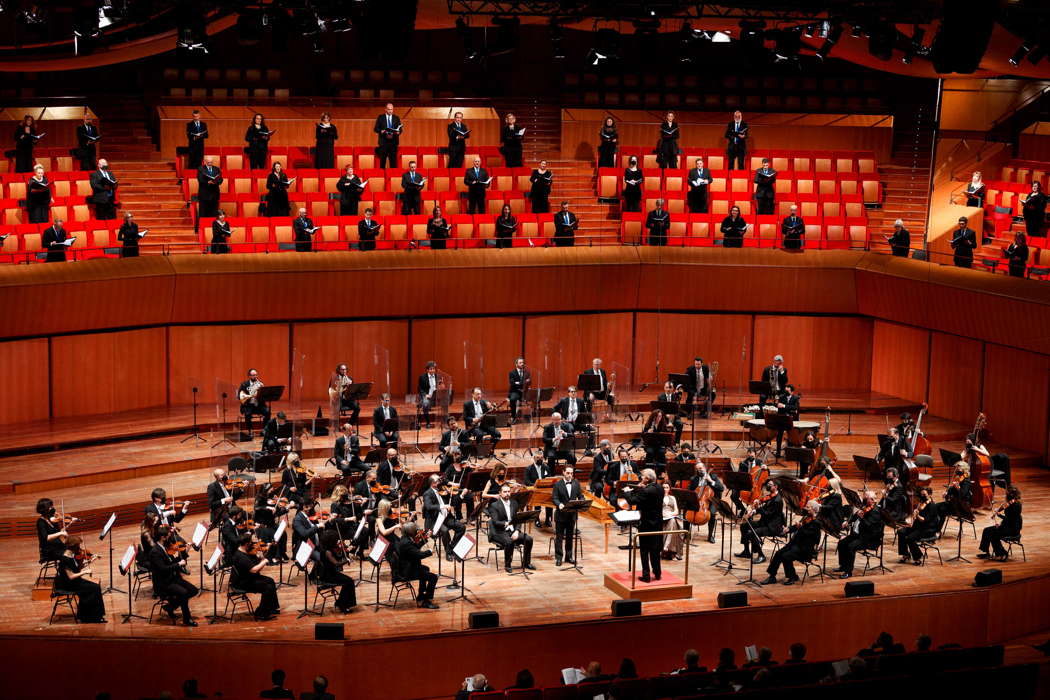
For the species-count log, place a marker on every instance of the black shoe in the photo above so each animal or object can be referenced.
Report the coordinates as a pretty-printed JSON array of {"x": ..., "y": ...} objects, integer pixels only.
[
  {"x": 984, "y": 555},
  {"x": 760, "y": 559},
  {"x": 644, "y": 578},
  {"x": 768, "y": 581},
  {"x": 557, "y": 561}
]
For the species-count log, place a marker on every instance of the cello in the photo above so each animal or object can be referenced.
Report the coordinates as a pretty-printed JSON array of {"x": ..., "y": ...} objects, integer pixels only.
[{"x": 980, "y": 466}]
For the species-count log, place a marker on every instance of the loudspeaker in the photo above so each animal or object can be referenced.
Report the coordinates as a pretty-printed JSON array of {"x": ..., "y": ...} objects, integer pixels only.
[
  {"x": 329, "y": 631},
  {"x": 483, "y": 620},
  {"x": 966, "y": 27},
  {"x": 625, "y": 607},
  {"x": 988, "y": 577},
  {"x": 732, "y": 599},
  {"x": 859, "y": 589}
]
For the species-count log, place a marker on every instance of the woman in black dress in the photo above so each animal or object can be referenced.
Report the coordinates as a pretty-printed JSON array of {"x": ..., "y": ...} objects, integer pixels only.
[
  {"x": 667, "y": 146},
  {"x": 733, "y": 229},
  {"x": 38, "y": 197},
  {"x": 258, "y": 138},
  {"x": 438, "y": 229},
  {"x": 540, "y": 193},
  {"x": 50, "y": 531},
  {"x": 220, "y": 234},
  {"x": 1034, "y": 210},
  {"x": 350, "y": 188},
  {"x": 608, "y": 140},
  {"x": 326, "y": 135},
  {"x": 128, "y": 235},
  {"x": 976, "y": 191},
  {"x": 74, "y": 575},
  {"x": 277, "y": 184},
  {"x": 332, "y": 561},
  {"x": 632, "y": 186},
  {"x": 510, "y": 139},
  {"x": 506, "y": 227},
  {"x": 25, "y": 139},
  {"x": 1017, "y": 254}
]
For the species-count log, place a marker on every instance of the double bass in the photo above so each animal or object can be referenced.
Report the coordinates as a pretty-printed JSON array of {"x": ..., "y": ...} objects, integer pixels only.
[{"x": 980, "y": 466}]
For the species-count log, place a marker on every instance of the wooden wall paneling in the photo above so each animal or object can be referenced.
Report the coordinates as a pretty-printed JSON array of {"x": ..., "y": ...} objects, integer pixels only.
[
  {"x": 675, "y": 339},
  {"x": 558, "y": 348},
  {"x": 204, "y": 354},
  {"x": 955, "y": 377},
  {"x": 108, "y": 372},
  {"x": 25, "y": 378},
  {"x": 357, "y": 343},
  {"x": 820, "y": 352},
  {"x": 900, "y": 360},
  {"x": 491, "y": 345},
  {"x": 1015, "y": 396}
]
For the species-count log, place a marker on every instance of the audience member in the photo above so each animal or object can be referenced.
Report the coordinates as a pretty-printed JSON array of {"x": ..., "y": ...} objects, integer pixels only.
[
  {"x": 278, "y": 690},
  {"x": 320, "y": 691},
  {"x": 796, "y": 653},
  {"x": 692, "y": 663}
]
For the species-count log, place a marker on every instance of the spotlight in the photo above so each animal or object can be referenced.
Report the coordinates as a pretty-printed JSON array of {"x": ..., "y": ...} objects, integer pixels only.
[
  {"x": 1019, "y": 54},
  {"x": 834, "y": 34}
]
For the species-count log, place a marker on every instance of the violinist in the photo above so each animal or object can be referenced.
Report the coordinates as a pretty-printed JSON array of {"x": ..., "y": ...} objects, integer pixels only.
[
  {"x": 655, "y": 453},
  {"x": 602, "y": 461},
  {"x": 331, "y": 561},
  {"x": 384, "y": 422},
  {"x": 434, "y": 504},
  {"x": 673, "y": 395},
  {"x": 169, "y": 515},
  {"x": 235, "y": 525},
  {"x": 473, "y": 411},
  {"x": 50, "y": 531},
  {"x": 456, "y": 481},
  {"x": 558, "y": 441},
  {"x": 307, "y": 526},
  {"x": 346, "y": 453},
  {"x": 959, "y": 491},
  {"x": 166, "y": 572},
  {"x": 895, "y": 499},
  {"x": 503, "y": 533},
  {"x": 74, "y": 575},
  {"x": 219, "y": 497},
  {"x": 673, "y": 545},
  {"x": 410, "y": 556},
  {"x": 246, "y": 576},
  {"x": 1010, "y": 526},
  {"x": 392, "y": 473},
  {"x": 703, "y": 478},
  {"x": 770, "y": 511},
  {"x": 925, "y": 524},
  {"x": 865, "y": 532},
  {"x": 295, "y": 479},
  {"x": 533, "y": 473},
  {"x": 805, "y": 537},
  {"x": 270, "y": 508}
]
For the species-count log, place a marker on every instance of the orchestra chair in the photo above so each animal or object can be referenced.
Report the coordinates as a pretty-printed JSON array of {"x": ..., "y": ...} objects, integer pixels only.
[
  {"x": 62, "y": 597},
  {"x": 237, "y": 597},
  {"x": 1010, "y": 542}
]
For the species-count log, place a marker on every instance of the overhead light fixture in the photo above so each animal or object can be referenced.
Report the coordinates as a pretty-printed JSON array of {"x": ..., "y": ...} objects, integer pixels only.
[{"x": 1019, "y": 54}]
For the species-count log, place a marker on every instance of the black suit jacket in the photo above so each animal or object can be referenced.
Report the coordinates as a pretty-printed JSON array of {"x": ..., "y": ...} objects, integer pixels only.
[
  {"x": 650, "y": 503},
  {"x": 380, "y": 127},
  {"x": 377, "y": 417},
  {"x": 563, "y": 493}
]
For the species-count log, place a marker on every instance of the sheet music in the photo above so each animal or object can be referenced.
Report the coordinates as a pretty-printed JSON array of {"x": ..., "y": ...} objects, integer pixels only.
[
  {"x": 213, "y": 560},
  {"x": 129, "y": 556},
  {"x": 464, "y": 547},
  {"x": 199, "y": 533},
  {"x": 302, "y": 555},
  {"x": 375, "y": 555},
  {"x": 107, "y": 526}
]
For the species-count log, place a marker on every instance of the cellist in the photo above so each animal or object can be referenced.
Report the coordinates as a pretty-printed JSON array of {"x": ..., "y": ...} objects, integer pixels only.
[{"x": 702, "y": 480}]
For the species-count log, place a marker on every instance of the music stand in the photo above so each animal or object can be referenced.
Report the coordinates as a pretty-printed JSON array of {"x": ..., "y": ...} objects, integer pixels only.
[
  {"x": 521, "y": 518},
  {"x": 574, "y": 508}
]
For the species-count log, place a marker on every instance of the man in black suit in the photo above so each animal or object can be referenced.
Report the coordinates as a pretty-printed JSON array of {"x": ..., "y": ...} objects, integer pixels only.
[
  {"x": 412, "y": 184},
  {"x": 801, "y": 547},
  {"x": 602, "y": 460},
  {"x": 792, "y": 229},
  {"x": 168, "y": 584},
  {"x": 458, "y": 133},
  {"x": 278, "y": 690},
  {"x": 658, "y": 223},
  {"x": 388, "y": 129},
  {"x": 866, "y": 527},
  {"x": 209, "y": 177},
  {"x": 533, "y": 473},
  {"x": 501, "y": 532},
  {"x": 219, "y": 497},
  {"x": 765, "y": 183},
  {"x": 410, "y": 558},
  {"x": 570, "y": 407},
  {"x": 565, "y": 489},
  {"x": 87, "y": 137},
  {"x": 565, "y": 225},
  {"x": 649, "y": 498},
  {"x": 384, "y": 412},
  {"x": 304, "y": 529},
  {"x": 346, "y": 451},
  {"x": 699, "y": 179},
  {"x": 736, "y": 142},
  {"x": 963, "y": 242},
  {"x": 52, "y": 242},
  {"x": 473, "y": 411},
  {"x": 699, "y": 375},
  {"x": 304, "y": 230},
  {"x": 104, "y": 191},
  {"x": 433, "y": 506},
  {"x": 425, "y": 388},
  {"x": 519, "y": 379},
  {"x": 196, "y": 133},
  {"x": 774, "y": 379},
  {"x": 557, "y": 441},
  {"x": 770, "y": 522},
  {"x": 477, "y": 181},
  {"x": 602, "y": 393}
]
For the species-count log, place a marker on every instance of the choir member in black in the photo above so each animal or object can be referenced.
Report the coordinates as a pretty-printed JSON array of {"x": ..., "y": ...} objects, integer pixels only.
[
  {"x": 792, "y": 229},
  {"x": 775, "y": 377},
  {"x": 705, "y": 477},
  {"x": 458, "y": 133},
  {"x": 220, "y": 234},
  {"x": 50, "y": 531},
  {"x": 736, "y": 142},
  {"x": 1017, "y": 255},
  {"x": 506, "y": 227},
  {"x": 963, "y": 242},
  {"x": 805, "y": 538},
  {"x": 519, "y": 380},
  {"x": 325, "y": 134},
  {"x": 433, "y": 505},
  {"x": 565, "y": 225},
  {"x": 770, "y": 510},
  {"x": 52, "y": 242},
  {"x": 25, "y": 139},
  {"x": 510, "y": 138},
  {"x": 926, "y": 524},
  {"x": 632, "y": 186},
  {"x": 412, "y": 184},
  {"x": 410, "y": 556},
  {"x": 331, "y": 564},
  {"x": 733, "y": 229},
  {"x": 384, "y": 413},
  {"x": 258, "y": 139},
  {"x": 976, "y": 191},
  {"x": 128, "y": 235},
  {"x": 765, "y": 185},
  {"x": 473, "y": 410},
  {"x": 209, "y": 177},
  {"x": 271, "y": 506},
  {"x": 667, "y": 142},
  {"x": 699, "y": 378},
  {"x": 900, "y": 241},
  {"x": 307, "y": 526},
  {"x": 350, "y": 188},
  {"x": 74, "y": 575},
  {"x": 477, "y": 181},
  {"x": 367, "y": 231},
  {"x": 658, "y": 424},
  {"x": 456, "y": 478},
  {"x": 1034, "y": 210},
  {"x": 649, "y": 499},
  {"x": 503, "y": 533},
  {"x": 608, "y": 141},
  {"x": 671, "y": 395},
  {"x": 959, "y": 494},
  {"x": 196, "y": 133},
  {"x": 246, "y": 576},
  {"x": 388, "y": 132},
  {"x": 304, "y": 230},
  {"x": 699, "y": 179},
  {"x": 895, "y": 498},
  {"x": 658, "y": 223},
  {"x": 277, "y": 184},
  {"x": 87, "y": 136},
  {"x": 346, "y": 451},
  {"x": 166, "y": 572},
  {"x": 602, "y": 462},
  {"x": 104, "y": 192},
  {"x": 604, "y": 391},
  {"x": 865, "y": 532},
  {"x": 250, "y": 404},
  {"x": 540, "y": 192},
  {"x": 566, "y": 489},
  {"x": 38, "y": 196},
  {"x": 894, "y": 451},
  {"x": 1009, "y": 527},
  {"x": 618, "y": 471},
  {"x": 219, "y": 497}
]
